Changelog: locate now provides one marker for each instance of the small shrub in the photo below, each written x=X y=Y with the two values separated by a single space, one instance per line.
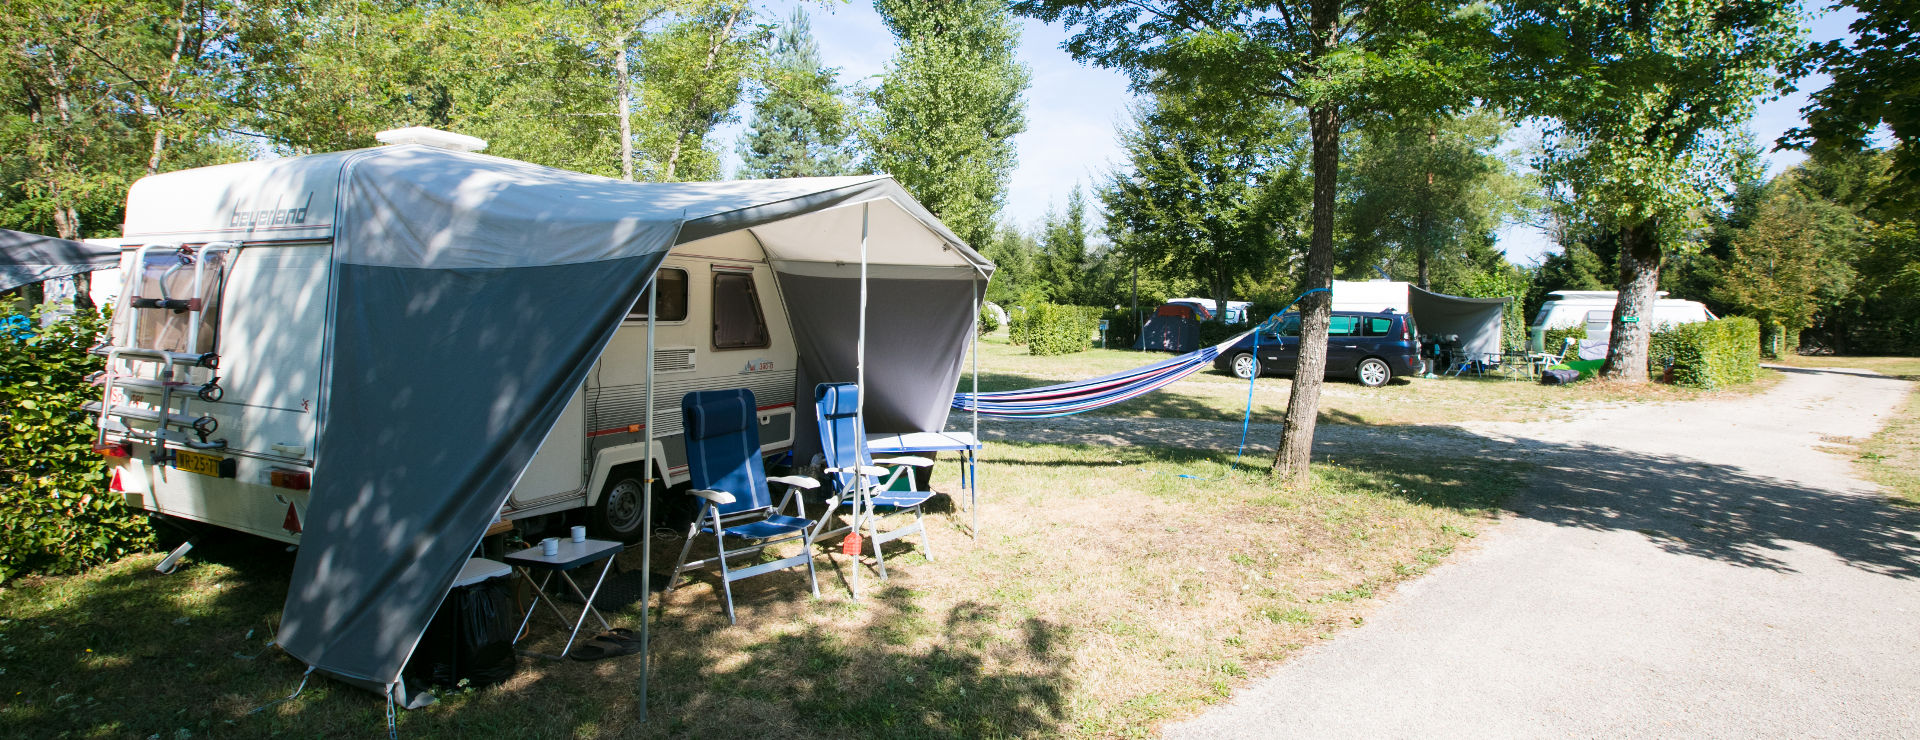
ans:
x=1057 y=330
x=1122 y=327
x=55 y=513
x=989 y=321
x=1708 y=354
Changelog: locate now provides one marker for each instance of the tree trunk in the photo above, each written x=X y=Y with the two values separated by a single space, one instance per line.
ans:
x=1424 y=250
x=1639 y=280
x=715 y=43
x=1291 y=462
x=165 y=89
x=623 y=105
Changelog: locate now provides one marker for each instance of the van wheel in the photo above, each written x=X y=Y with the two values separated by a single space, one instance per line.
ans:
x=1245 y=366
x=617 y=515
x=1373 y=372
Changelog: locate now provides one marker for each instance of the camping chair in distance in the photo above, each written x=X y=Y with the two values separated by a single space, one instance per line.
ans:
x=859 y=481
x=723 y=457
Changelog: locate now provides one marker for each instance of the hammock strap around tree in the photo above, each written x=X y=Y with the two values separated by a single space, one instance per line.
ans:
x=1067 y=399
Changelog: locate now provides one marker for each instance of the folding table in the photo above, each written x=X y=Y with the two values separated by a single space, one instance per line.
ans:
x=962 y=442
x=572 y=555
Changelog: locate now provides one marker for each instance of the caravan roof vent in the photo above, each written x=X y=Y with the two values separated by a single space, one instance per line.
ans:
x=431 y=137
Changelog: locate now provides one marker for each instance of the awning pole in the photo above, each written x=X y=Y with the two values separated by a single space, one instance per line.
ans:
x=646 y=510
x=973 y=472
x=860 y=399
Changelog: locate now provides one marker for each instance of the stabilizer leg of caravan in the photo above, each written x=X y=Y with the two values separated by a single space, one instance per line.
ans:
x=171 y=562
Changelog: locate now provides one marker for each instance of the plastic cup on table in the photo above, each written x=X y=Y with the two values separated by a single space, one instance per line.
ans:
x=579 y=533
x=550 y=546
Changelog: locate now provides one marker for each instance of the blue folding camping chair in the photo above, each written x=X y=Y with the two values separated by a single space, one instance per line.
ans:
x=859 y=482
x=723 y=457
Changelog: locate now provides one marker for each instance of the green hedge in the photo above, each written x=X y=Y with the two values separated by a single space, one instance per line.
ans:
x=989 y=321
x=1554 y=339
x=1048 y=329
x=1708 y=354
x=55 y=513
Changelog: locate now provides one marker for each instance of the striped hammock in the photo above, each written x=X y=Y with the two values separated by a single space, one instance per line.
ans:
x=1085 y=395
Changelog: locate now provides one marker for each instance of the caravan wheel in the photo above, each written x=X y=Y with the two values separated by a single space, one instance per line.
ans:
x=617 y=515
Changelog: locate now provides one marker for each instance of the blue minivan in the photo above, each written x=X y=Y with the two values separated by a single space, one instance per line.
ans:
x=1371 y=347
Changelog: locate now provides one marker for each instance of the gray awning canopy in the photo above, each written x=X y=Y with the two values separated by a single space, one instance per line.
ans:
x=30 y=258
x=1478 y=321
x=472 y=296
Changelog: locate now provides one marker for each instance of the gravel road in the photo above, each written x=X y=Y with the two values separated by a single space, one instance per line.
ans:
x=1706 y=569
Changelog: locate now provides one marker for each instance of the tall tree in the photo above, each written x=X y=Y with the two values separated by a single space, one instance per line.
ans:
x=1063 y=243
x=800 y=122
x=949 y=107
x=693 y=74
x=1875 y=81
x=1644 y=98
x=1425 y=190
x=1341 y=60
x=1780 y=265
x=1213 y=192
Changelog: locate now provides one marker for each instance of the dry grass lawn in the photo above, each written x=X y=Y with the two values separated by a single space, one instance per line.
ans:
x=1107 y=593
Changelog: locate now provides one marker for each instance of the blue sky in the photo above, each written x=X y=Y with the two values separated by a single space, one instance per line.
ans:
x=1073 y=109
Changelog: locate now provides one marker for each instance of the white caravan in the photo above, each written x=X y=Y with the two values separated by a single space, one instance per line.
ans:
x=263 y=304
x=1594 y=310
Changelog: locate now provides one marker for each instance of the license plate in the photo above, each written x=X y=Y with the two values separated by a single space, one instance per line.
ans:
x=208 y=465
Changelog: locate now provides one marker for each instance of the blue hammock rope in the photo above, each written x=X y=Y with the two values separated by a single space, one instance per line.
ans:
x=1067 y=399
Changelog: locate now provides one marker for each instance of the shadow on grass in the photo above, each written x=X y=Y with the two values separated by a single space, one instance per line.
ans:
x=814 y=680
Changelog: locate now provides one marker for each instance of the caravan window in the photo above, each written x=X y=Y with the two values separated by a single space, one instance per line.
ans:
x=169 y=329
x=737 y=320
x=673 y=297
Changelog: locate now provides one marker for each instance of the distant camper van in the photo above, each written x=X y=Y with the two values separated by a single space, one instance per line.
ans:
x=1594 y=310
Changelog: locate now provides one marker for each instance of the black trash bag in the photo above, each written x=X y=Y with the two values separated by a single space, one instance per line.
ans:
x=470 y=637
x=1559 y=377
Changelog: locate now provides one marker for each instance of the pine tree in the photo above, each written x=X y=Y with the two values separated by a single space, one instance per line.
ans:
x=800 y=123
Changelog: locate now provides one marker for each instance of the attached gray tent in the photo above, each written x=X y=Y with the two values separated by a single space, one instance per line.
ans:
x=1478 y=321
x=473 y=294
x=31 y=258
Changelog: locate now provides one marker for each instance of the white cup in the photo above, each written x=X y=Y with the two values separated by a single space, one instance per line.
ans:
x=550 y=546
x=579 y=534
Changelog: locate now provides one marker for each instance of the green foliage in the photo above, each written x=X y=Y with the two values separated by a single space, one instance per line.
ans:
x=989 y=321
x=56 y=515
x=1872 y=84
x=1556 y=338
x=1214 y=193
x=1215 y=332
x=948 y=109
x=1424 y=193
x=1051 y=329
x=800 y=123
x=1123 y=327
x=1499 y=280
x=1792 y=253
x=1063 y=256
x=1709 y=354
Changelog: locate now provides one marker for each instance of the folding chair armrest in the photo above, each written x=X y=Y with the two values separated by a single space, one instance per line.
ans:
x=918 y=462
x=718 y=497
x=800 y=481
x=872 y=471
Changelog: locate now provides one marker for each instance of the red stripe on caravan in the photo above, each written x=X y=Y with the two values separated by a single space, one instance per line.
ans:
x=635 y=428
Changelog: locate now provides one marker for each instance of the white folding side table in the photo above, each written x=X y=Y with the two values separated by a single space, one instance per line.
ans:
x=962 y=442
x=572 y=555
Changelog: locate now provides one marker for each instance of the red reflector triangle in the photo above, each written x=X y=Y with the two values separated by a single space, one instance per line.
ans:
x=114 y=485
x=292 y=522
